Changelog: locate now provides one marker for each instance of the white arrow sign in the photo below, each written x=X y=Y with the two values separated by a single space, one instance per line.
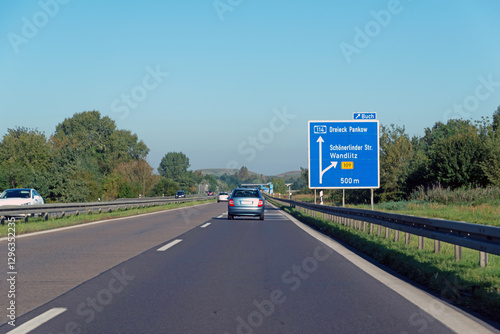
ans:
x=334 y=163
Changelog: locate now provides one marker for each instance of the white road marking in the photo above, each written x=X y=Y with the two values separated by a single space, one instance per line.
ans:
x=38 y=321
x=205 y=225
x=170 y=244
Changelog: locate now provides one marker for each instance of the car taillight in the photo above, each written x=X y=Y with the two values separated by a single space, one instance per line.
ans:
x=261 y=203
x=231 y=202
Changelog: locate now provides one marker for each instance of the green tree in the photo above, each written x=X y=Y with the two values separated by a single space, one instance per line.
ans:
x=279 y=186
x=174 y=165
x=243 y=174
x=396 y=153
x=69 y=178
x=456 y=152
x=491 y=163
x=212 y=182
x=164 y=187
x=496 y=120
x=24 y=157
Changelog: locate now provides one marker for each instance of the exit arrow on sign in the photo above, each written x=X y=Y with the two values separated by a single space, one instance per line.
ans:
x=334 y=163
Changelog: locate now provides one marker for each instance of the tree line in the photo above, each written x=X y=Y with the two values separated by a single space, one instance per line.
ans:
x=88 y=158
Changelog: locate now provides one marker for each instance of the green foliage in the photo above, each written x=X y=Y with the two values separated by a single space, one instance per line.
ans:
x=212 y=182
x=174 y=165
x=279 y=186
x=24 y=154
x=165 y=187
x=243 y=174
x=72 y=165
x=455 y=154
x=396 y=154
x=232 y=181
x=469 y=196
x=491 y=163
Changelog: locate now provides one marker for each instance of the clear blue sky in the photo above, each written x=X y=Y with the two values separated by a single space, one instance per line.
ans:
x=205 y=77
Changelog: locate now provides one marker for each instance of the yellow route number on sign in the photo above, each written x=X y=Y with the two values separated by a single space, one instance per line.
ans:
x=347 y=164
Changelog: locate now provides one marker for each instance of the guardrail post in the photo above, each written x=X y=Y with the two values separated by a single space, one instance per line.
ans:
x=437 y=246
x=26 y=218
x=2 y=220
x=379 y=230
x=46 y=216
x=387 y=233
x=420 y=242
x=458 y=252
x=483 y=259
x=365 y=226
x=396 y=235
x=372 y=228
x=407 y=238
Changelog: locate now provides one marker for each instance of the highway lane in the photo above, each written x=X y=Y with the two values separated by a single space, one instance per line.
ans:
x=49 y=264
x=241 y=276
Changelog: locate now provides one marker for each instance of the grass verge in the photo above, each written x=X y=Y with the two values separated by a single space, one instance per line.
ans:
x=462 y=283
x=38 y=224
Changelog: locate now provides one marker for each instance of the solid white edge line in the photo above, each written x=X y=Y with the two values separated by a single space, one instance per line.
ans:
x=205 y=225
x=38 y=321
x=438 y=309
x=167 y=246
x=99 y=222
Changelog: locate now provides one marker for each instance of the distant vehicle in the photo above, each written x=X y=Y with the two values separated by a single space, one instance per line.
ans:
x=222 y=197
x=21 y=196
x=180 y=194
x=210 y=193
x=245 y=202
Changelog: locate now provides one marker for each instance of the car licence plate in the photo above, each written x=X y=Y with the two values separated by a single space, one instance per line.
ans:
x=246 y=202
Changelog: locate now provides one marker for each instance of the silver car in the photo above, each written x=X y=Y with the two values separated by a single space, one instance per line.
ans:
x=246 y=202
x=20 y=196
x=222 y=197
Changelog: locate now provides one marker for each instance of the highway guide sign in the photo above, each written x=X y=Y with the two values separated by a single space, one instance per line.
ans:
x=344 y=154
x=364 y=115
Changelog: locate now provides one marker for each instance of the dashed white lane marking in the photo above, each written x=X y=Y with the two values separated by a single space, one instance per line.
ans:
x=38 y=321
x=205 y=225
x=167 y=246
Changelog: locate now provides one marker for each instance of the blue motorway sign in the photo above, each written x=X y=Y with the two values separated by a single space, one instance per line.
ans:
x=360 y=116
x=344 y=154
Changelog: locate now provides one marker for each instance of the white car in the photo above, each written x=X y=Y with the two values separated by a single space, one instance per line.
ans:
x=21 y=196
x=222 y=197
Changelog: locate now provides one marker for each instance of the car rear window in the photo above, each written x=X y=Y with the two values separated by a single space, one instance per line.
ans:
x=246 y=193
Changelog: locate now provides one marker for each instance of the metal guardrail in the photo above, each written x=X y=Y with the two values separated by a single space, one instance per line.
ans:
x=483 y=238
x=62 y=209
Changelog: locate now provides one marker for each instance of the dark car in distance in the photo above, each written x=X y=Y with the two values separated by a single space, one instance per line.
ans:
x=180 y=194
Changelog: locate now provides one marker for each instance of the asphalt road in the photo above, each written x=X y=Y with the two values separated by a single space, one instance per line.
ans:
x=194 y=271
